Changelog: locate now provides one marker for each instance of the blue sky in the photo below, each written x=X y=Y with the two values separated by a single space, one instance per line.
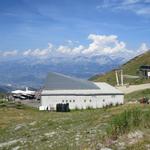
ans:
x=29 y=25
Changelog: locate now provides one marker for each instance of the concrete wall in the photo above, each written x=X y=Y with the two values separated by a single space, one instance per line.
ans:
x=81 y=102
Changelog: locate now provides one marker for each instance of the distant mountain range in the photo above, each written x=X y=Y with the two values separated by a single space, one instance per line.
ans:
x=6 y=88
x=32 y=72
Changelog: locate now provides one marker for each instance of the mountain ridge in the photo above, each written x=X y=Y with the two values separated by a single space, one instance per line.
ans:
x=32 y=72
x=131 y=67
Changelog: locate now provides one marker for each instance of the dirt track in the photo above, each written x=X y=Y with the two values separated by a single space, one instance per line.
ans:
x=133 y=88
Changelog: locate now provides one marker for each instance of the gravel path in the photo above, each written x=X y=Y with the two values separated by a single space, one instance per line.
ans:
x=31 y=103
x=133 y=88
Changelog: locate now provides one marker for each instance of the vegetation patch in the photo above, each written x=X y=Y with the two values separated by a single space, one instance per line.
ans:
x=138 y=95
x=128 y=121
x=11 y=104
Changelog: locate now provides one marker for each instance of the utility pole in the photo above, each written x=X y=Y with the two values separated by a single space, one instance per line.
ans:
x=121 y=77
x=117 y=80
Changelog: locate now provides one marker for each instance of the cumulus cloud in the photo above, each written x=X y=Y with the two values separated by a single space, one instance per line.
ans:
x=50 y=45
x=64 y=49
x=37 y=52
x=9 y=53
x=70 y=50
x=70 y=42
x=98 y=45
x=102 y=44
x=42 y=53
x=78 y=50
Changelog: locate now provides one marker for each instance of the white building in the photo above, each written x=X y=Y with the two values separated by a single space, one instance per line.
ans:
x=23 y=94
x=78 y=93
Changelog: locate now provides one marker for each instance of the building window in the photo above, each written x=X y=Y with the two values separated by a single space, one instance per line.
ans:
x=66 y=101
x=70 y=101
x=62 y=101
x=90 y=100
x=103 y=100
x=85 y=101
x=73 y=100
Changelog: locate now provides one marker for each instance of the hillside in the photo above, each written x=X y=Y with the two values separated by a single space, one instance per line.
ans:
x=93 y=129
x=129 y=68
x=138 y=95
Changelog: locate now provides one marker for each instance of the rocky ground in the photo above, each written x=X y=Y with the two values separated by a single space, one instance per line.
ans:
x=26 y=128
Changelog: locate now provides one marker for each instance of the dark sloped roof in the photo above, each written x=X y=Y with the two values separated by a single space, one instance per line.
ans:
x=145 y=67
x=56 y=81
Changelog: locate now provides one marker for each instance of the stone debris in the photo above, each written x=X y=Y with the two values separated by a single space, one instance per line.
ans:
x=99 y=146
x=147 y=146
x=105 y=148
x=135 y=137
x=133 y=102
x=9 y=143
x=32 y=123
x=121 y=145
x=77 y=137
x=50 y=134
x=16 y=148
x=19 y=126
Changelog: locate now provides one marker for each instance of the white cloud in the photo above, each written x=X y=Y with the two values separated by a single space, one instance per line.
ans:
x=109 y=45
x=64 y=49
x=143 y=48
x=139 y=7
x=131 y=1
x=102 y=44
x=37 y=52
x=9 y=53
x=27 y=52
x=50 y=45
x=42 y=53
x=70 y=42
x=78 y=49
x=70 y=50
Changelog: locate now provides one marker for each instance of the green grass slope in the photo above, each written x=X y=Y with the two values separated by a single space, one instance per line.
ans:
x=138 y=95
x=129 y=68
x=29 y=129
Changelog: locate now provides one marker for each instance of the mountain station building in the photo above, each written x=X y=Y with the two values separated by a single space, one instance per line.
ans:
x=145 y=71
x=78 y=93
